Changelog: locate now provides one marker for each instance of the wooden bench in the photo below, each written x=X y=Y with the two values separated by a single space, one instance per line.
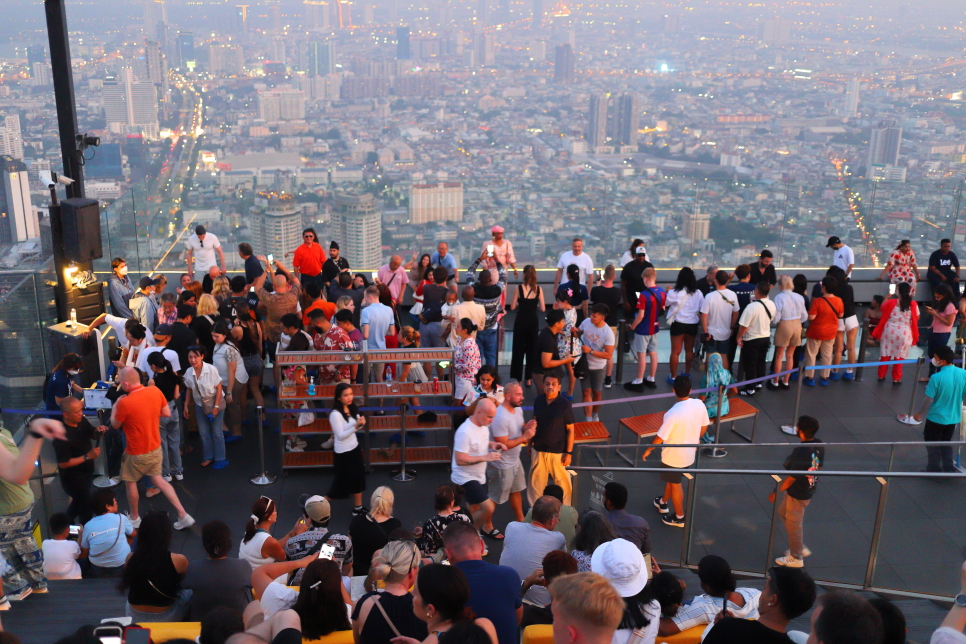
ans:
x=543 y=634
x=739 y=409
x=591 y=432
x=164 y=631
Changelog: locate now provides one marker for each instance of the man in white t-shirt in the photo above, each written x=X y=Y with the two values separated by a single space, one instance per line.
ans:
x=162 y=335
x=201 y=248
x=472 y=450
x=506 y=478
x=584 y=262
x=842 y=255
x=598 y=346
x=719 y=315
x=684 y=424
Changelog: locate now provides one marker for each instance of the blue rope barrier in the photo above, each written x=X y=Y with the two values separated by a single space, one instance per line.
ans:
x=860 y=364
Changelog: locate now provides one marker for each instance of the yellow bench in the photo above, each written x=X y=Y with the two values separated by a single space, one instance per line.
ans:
x=543 y=634
x=164 y=631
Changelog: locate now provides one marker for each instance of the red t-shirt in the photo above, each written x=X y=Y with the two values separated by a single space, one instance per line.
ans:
x=309 y=259
x=139 y=413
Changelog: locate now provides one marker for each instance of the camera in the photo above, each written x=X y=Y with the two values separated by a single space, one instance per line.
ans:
x=327 y=551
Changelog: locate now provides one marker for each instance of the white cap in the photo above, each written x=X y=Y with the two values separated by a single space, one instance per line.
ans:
x=640 y=250
x=622 y=564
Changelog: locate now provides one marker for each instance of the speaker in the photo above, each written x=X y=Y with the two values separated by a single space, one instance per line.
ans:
x=81 y=225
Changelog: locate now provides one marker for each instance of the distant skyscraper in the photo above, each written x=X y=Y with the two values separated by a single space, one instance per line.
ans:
x=41 y=75
x=155 y=62
x=281 y=105
x=564 y=66
x=670 y=24
x=357 y=227
x=627 y=120
x=186 y=48
x=697 y=227
x=435 y=202
x=319 y=58
x=852 y=98
x=155 y=19
x=539 y=13
x=240 y=19
x=775 y=32
x=316 y=15
x=226 y=60
x=131 y=106
x=884 y=145
x=11 y=138
x=403 y=50
x=278 y=225
x=35 y=54
x=482 y=12
x=597 y=121
x=486 y=50
x=275 y=17
x=18 y=220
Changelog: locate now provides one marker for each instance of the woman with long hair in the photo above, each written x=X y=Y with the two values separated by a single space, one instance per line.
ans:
x=188 y=297
x=429 y=536
x=206 y=315
x=397 y=566
x=466 y=359
x=203 y=384
x=217 y=580
x=321 y=602
x=565 y=339
x=527 y=301
x=370 y=531
x=790 y=314
x=800 y=283
x=165 y=378
x=440 y=595
x=683 y=312
x=902 y=267
x=221 y=289
x=417 y=270
x=60 y=385
x=943 y=313
x=228 y=361
x=593 y=529
x=152 y=575
x=258 y=547
x=897 y=331
x=848 y=325
x=628 y=255
x=247 y=334
x=349 y=467
x=487 y=386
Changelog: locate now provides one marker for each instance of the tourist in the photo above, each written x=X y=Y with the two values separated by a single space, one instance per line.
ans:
x=506 y=478
x=321 y=602
x=567 y=521
x=843 y=617
x=494 y=591
x=253 y=267
x=162 y=338
x=309 y=258
x=628 y=255
x=842 y=255
x=823 y=316
x=333 y=338
x=872 y=316
x=716 y=376
x=720 y=594
x=466 y=360
x=577 y=294
x=951 y=629
x=708 y=284
x=435 y=294
x=393 y=275
x=501 y=253
x=106 y=539
x=683 y=313
x=621 y=563
x=553 y=443
x=440 y=595
x=719 y=315
x=416 y=273
x=593 y=530
x=745 y=290
x=75 y=455
x=429 y=536
x=370 y=530
x=902 y=267
x=217 y=580
x=143 y=307
x=944 y=269
x=587 y=609
x=189 y=297
x=258 y=546
x=632 y=279
x=443 y=258
x=343 y=320
x=247 y=334
x=333 y=268
x=228 y=361
x=598 y=343
x=526 y=545
x=799 y=489
x=182 y=335
x=60 y=554
x=201 y=248
x=894 y=629
x=120 y=289
x=627 y=526
x=764 y=269
x=314 y=300
x=487 y=385
x=206 y=315
x=378 y=320
x=60 y=384
x=610 y=295
x=488 y=294
x=527 y=301
x=311 y=532
x=943 y=313
x=472 y=450
x=203 y=386
x=548 y=348
x=468 y=308
x=556 y=563
x=341 y=287
x=221 y=291
x=789 y=593
x=790 y=316
x=152 y=575
x=754 y=337
x=942 y=408
x=165 y=377
x=348 y=463
x=183 y=280
x=421 y=282
x=584 y=262
x=282 y=300
x=567 y=344
x=684 y=424
x=380 y=615
x=168 y=311
x=848 y=325
x=138 y=411
x=136 y=336
x=897 y=331
x=646 y=325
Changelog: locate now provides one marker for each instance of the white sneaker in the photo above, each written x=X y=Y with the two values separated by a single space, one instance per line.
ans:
x=328 y=444
x=596 y=418
x=301 y=443
x=23 y=594
x=637 y=381
x=289 y=447
x=135 y=523
x=167 y=477
x=805 y=552
x=588 y=419
x=184 y=522
x=179 y=476
x=790 y=562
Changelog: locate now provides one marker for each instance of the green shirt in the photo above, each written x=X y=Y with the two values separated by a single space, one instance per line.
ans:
x=567 y=525
x=946 y=388
x=13 y=498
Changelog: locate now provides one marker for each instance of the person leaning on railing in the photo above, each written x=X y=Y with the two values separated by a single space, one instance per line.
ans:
x=951 y=630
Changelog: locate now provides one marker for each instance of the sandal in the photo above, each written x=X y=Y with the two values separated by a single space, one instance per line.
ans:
x=494 y=534
x=205 y=463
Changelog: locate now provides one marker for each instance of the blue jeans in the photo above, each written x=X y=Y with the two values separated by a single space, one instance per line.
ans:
x=486 y=339
x=212 y=438
x=171 y=442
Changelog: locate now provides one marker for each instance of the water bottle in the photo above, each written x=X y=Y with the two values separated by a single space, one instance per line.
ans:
x=389 y=383
x=311 y=386
x=348 y=351
x=73 y=318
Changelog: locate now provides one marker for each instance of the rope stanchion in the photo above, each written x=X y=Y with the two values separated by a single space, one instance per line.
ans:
x=263 y=478
x=403 y=475
x=915 y=386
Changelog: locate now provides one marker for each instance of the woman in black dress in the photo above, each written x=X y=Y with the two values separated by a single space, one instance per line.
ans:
x=527 y=300
x=350 y=469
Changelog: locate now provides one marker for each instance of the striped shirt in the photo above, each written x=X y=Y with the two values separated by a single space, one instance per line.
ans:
x=651 y=301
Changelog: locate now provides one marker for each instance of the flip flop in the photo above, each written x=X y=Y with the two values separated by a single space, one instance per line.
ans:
x=908 y=420
x=494 y=534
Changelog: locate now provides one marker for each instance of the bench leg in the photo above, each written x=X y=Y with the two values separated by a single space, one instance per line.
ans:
x=750 y=439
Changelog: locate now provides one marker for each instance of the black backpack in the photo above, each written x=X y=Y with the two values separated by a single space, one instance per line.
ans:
x=432 y=312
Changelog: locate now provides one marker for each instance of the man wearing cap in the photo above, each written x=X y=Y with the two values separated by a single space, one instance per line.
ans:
x=333 y=265
x=632 y=279
x=201 y=249
x=312 y=532
x=143 y=307
x=443 y=258
x=842 y=255
x=502 y=254
x=162 y=336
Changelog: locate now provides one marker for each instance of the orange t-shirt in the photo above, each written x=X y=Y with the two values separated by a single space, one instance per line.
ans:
x=309 y=259
x=140 y=415
x=827 y=312
x=327 y=307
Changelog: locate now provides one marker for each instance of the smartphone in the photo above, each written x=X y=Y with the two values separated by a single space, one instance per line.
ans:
x=489 y=250
x=137 y=635
x=251 y=289
x=270 y=258
x=327 y=551
x=109 y=634
x=75 y=532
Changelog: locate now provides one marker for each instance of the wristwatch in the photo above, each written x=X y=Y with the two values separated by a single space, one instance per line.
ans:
x=86 y=458
x=961 y=600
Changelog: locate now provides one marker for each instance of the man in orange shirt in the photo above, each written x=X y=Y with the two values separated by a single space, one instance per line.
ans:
x=309 y=258
x=139 y=413
x=823 y=324
x=314 y=291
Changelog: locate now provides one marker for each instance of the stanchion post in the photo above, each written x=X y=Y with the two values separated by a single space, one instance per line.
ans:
x=915 y=385
x=798 y=392
x=263 y=478
x=688 y=516
x=774 y=519
x=621 y=338
x=863 y=342
x=366 y=380
x=876 y=532
x=402 y=475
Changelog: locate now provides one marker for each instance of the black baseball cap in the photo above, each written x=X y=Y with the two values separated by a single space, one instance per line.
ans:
x=200 y=230
x=832 y=241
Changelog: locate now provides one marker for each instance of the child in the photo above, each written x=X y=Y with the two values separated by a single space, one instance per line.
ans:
x=872 y=316
x=451 y=301
x=565 y=341
x=799 y=489
x=716 y=375
x=487 y=386
x=61 y=553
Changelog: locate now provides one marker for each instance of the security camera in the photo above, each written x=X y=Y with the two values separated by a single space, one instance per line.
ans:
x=65 y=181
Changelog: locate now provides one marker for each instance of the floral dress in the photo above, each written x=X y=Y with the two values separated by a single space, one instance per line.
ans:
x=902 y=269
x=467 y=359
x=565 y=341
x=897 y=334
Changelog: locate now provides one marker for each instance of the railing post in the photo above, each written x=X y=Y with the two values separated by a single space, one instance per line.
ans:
x=876 y=532
x=798 y=399
x=863 y=341
x=366 y=380
x=774 y=519
x=402 y=475
x=263 y=478
x=621 y=338
x=688 y=517
x=915 y=385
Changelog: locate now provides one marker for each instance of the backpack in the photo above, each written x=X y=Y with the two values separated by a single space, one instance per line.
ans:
x=432 y=312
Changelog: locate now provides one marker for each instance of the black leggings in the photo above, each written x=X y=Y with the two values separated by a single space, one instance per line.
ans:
x=78 y=487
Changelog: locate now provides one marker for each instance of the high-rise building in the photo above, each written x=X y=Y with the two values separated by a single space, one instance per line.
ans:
x=11 y=138
x=240 y=19
x=539 y=13
x=357 y=227
x=482 y=12
x=670 y=24
x=316 y=15
x=130 y=105
x=564 y=66
x=627 y=120
x=156 y=64
x=403 y=50
x=281 y=105
x=485 y=50
x=279 y=223
x=155 y=19
x=436 y=202
x=226 y=60
x=597 y=121
x=697 y=226
x=186 y=48
x=775 y=32
x=318 y=58
x=851 y=108
x=18 y=219
x=35 y=54
x=41 y=75
x=884 y=144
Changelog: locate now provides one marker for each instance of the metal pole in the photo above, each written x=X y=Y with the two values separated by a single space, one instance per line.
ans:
x=876 y=532
x=915 y=385
x=863 y=341
x=64 y=95
x=264 y=478
x=402 y=475
x=774 y=518
x=621 y=338
x=798 y=393
x=367 y=456
x=688 y=514
x=716 y=452
x=959 y=199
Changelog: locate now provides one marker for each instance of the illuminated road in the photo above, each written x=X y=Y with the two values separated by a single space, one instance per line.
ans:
x=854 y=200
